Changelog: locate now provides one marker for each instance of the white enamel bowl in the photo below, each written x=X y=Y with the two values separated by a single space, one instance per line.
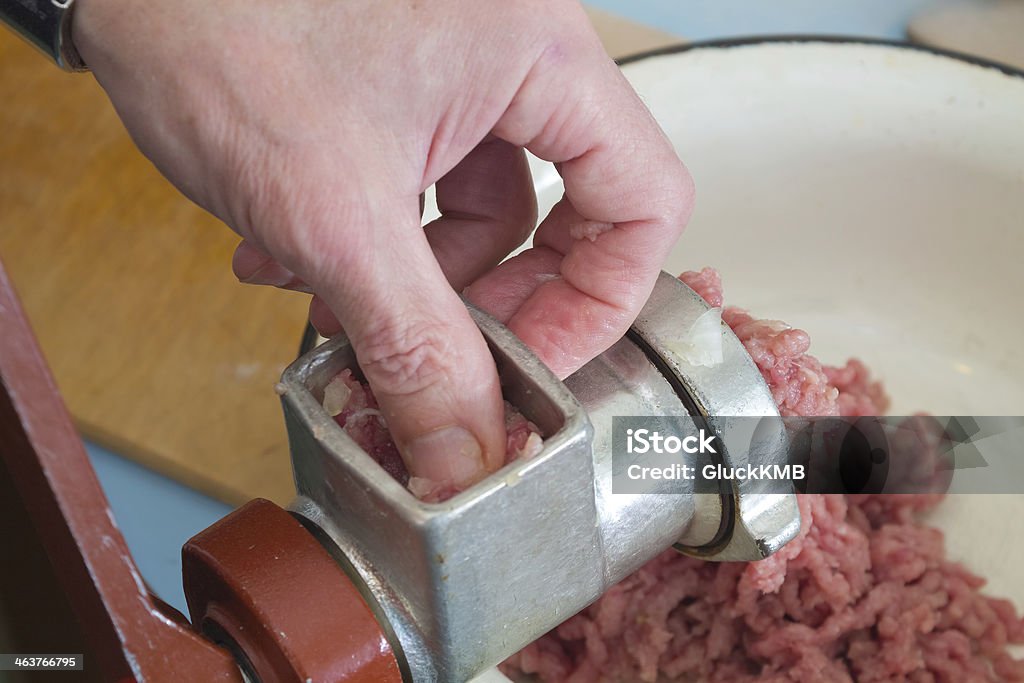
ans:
x=873 y=195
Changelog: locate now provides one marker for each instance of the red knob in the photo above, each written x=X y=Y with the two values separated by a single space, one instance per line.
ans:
x=262 y=585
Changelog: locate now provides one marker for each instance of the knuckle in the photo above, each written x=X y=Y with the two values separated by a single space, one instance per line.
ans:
x=674 y=195
x=686 y=184
x=685 y=194
x=405 y=358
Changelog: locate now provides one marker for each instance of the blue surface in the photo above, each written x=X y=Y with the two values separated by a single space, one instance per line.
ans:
x=157 y=515
x=707 y=19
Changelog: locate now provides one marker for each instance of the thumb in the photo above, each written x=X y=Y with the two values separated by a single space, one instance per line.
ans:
x=420 y=351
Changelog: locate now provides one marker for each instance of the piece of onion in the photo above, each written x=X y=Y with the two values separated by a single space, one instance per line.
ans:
x=336 y=396
x=533 y=446
x=364 y=413
x=702 y=343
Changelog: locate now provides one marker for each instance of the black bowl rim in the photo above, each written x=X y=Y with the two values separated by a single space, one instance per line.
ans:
x=310 y=335
x=808 y=38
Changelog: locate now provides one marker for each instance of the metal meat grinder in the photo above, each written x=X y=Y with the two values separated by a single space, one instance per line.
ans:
x=360 y=581
x=462 y=584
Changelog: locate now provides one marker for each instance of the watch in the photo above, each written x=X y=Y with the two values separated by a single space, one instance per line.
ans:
x=46 y=24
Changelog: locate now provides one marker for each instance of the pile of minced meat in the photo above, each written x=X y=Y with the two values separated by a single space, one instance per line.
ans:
x=864 y=593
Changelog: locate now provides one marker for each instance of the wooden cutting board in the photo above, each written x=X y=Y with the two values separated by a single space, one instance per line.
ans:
x=160 y=354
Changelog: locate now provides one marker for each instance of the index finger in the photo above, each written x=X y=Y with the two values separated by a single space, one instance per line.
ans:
x=627 y=199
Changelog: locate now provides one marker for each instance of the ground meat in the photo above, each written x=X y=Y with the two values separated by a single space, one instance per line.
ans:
x=359 y=415
x=589 y=230
x=864 y=593
x=354 y=407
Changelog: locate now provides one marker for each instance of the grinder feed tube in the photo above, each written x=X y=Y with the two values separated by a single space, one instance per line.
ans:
x=462 y=584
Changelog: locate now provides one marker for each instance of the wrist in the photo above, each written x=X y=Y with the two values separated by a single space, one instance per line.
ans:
x=112 y=35
x=84 y=30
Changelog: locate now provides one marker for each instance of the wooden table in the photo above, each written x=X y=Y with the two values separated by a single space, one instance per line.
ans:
x=160 y=354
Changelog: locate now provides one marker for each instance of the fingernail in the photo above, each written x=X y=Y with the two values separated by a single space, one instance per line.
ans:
x=450 y=454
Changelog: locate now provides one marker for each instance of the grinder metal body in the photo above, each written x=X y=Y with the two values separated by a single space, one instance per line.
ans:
x=460 y=585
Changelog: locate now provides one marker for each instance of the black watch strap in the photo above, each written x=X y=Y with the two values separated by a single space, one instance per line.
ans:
x=45 y=24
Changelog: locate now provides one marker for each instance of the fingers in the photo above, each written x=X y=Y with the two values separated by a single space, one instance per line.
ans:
x=420 y=351
x=504 y=290
x=488 y=208
x=321 y=317
x=253 y=266
x=627 y=199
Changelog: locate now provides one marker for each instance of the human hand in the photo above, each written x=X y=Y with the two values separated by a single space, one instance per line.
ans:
x=312 y=127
